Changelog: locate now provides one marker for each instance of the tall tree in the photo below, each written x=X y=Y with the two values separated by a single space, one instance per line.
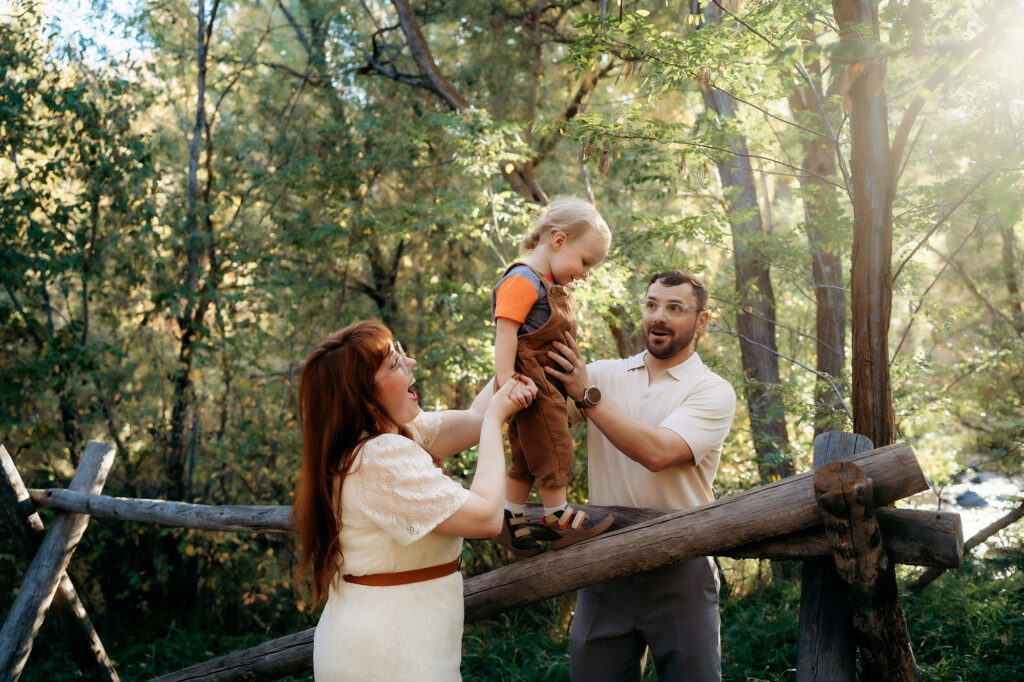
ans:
x=755 y=316
x=825 y=238
x=201 y=272
x=863 y=86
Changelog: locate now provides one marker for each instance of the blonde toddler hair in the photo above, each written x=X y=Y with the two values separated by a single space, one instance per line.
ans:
x=571 y=215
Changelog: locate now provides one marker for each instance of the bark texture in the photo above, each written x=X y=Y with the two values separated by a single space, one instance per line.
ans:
x=863 y=86
x=821 y=208
x=845 y=494
x=48 y=569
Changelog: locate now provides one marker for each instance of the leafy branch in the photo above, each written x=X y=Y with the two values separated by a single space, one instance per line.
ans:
x=824 y=377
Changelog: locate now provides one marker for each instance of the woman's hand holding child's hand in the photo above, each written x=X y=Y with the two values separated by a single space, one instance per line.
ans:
x=516 y=393
x=523 y=391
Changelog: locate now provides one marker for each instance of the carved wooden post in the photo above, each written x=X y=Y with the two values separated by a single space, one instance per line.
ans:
x=73 y=622
x=845 y=493
x=45 y=574
x=826 y=650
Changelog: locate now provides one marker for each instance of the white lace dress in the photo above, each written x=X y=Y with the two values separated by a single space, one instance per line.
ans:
x=391 y=501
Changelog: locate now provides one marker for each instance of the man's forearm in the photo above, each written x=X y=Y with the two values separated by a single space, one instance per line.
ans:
x=654 y=447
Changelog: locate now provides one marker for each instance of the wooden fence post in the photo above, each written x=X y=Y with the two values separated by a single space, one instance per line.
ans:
x=845 y=495
x=826 y=650
x=49 y=566
x=73 y=622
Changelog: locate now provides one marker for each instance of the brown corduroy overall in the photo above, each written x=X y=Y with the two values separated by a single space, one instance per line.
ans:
x=542 y=447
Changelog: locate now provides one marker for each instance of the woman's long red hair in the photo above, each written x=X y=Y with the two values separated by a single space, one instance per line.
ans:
x=338 y=411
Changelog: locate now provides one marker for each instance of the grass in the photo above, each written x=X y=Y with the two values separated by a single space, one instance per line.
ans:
x=759 y=633
x=968 y=624
x=523 y=644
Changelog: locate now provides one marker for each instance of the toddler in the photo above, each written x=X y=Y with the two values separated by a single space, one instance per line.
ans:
x=532 y=306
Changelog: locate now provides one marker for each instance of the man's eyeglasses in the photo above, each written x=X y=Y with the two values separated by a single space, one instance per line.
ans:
x=397 y=358
x=673 y=309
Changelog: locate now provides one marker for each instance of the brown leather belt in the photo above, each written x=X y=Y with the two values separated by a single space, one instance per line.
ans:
x=416 y=575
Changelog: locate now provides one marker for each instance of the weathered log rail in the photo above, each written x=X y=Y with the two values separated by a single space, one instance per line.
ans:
x=784 y=506
x=913 y=537
x=255 y=519
x=781 y=520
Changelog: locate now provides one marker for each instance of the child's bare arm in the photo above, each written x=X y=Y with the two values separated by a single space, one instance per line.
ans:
x=506 y=341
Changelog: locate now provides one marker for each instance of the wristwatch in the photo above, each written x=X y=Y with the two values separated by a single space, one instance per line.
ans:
x=591 y=397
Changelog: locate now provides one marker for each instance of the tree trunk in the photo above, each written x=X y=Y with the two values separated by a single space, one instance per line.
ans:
x=863 y=85
x=519 y=175
x=755 y=318
x=198 y=294
x=200 y=286
x=628 y=338
x=68 y=415
x=821 y=210
x=183 y=398
x=1009 y=251
x=381 y=288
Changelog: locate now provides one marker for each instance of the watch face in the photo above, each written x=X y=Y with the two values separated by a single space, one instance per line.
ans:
x=592 y=396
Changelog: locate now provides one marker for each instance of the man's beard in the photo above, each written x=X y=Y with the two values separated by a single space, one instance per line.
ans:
x=675 y=343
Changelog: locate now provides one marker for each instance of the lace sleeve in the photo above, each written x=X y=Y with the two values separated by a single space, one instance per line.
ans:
x=402 y=490
x=425 y=428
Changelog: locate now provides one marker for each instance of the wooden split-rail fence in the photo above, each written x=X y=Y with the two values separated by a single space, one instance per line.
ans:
x=834 y=519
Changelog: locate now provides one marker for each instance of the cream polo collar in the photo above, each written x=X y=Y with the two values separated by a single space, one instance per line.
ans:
x=676 y=371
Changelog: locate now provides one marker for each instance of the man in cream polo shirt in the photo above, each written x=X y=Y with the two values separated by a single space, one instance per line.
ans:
x=657 y=422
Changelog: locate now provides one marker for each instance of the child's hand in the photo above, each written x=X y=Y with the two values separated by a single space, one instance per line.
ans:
x=522 y=394
x=515 y=394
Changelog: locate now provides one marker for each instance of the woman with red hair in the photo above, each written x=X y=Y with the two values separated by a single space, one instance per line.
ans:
x=380 y=524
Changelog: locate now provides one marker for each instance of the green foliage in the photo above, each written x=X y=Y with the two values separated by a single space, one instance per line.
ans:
x=75 y=225
x=171 y=649
x=962 y=627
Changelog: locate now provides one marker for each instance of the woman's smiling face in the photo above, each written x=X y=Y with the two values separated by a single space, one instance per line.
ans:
x=393 y=382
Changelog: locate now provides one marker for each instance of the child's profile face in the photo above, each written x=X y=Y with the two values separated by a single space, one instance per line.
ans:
x=572 y=258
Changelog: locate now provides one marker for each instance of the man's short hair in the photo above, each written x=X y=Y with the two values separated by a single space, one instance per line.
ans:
x=672 y=278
